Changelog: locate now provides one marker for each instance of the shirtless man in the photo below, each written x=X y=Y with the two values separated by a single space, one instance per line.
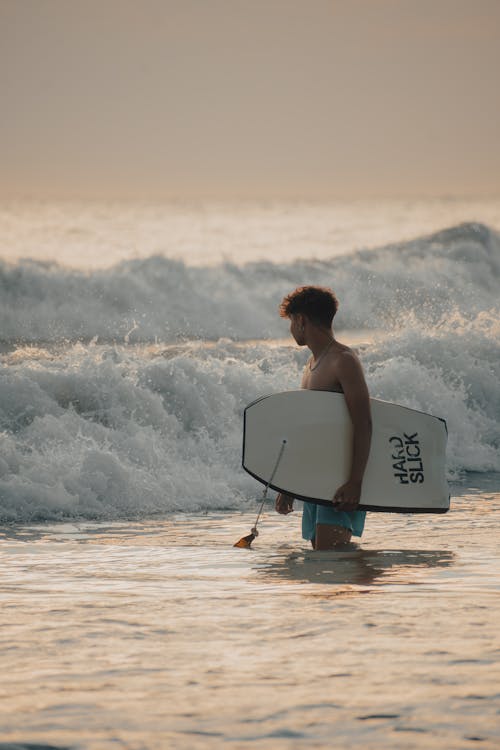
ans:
x=332 y=366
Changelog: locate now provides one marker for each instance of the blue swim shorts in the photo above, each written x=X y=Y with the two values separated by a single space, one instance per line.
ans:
x=313 y=514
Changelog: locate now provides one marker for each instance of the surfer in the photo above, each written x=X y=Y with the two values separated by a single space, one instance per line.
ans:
x=332 y=366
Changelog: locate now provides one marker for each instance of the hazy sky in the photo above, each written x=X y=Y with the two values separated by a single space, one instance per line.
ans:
x=284 y=98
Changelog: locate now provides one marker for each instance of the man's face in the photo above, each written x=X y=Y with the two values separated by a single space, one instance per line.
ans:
x=297 y=329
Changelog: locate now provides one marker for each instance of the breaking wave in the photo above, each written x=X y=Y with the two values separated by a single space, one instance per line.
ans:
x=163 y=299
x=100 y=430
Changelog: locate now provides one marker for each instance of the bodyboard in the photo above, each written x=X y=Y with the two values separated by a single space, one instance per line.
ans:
x=406 y=467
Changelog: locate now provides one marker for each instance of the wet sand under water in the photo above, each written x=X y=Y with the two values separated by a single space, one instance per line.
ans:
x=159 y=634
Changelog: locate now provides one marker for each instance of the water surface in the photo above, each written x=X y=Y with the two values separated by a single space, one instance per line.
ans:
x=160 y=634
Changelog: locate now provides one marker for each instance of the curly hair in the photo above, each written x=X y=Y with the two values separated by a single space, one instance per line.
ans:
x=318 y=303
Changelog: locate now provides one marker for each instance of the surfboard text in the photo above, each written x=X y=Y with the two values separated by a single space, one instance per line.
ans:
x=407 y=459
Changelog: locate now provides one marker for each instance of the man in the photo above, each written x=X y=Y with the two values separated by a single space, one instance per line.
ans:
x=332 y=366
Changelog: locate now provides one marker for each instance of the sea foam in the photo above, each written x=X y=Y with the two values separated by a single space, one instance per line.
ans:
x=96 y=430
x=119 y=432
x=162 y=299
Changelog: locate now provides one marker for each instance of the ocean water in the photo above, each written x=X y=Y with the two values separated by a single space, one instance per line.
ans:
x=132 y=337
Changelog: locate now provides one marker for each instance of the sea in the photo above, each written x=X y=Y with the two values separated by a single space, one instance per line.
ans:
x=132 y=336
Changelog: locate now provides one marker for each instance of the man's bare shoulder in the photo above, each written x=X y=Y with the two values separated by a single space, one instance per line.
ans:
x=344 y=356
x=347 y=364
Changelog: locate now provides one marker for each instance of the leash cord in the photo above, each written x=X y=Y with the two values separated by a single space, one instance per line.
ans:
x=264 y=493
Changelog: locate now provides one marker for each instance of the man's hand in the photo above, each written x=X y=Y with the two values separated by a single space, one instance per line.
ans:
x=347 y=496
x=284 y=504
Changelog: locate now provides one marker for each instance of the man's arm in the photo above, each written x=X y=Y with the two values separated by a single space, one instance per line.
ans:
x=284 y=504
x=350 y=375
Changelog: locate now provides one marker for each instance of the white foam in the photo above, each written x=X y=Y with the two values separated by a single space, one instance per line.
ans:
x=452 y=371
x=118 y=432
x=162 y=299
x=94 y=430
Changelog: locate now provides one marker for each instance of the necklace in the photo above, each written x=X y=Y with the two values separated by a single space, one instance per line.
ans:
x=321 y=356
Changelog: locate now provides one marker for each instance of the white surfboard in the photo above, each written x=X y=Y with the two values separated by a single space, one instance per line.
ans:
x=405 y=471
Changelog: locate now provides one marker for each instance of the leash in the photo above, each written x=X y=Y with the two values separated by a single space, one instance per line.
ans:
x=246 y=541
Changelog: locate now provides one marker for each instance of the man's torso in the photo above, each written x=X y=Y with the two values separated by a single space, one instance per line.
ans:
x=324 y=376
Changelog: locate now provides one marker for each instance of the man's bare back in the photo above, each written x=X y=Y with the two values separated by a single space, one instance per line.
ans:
x=322 y=375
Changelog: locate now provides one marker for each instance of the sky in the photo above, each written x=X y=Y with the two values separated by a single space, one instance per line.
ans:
x=250 y=98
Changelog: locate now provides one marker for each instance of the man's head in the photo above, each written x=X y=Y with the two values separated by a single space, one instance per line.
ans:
x=309 y=305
